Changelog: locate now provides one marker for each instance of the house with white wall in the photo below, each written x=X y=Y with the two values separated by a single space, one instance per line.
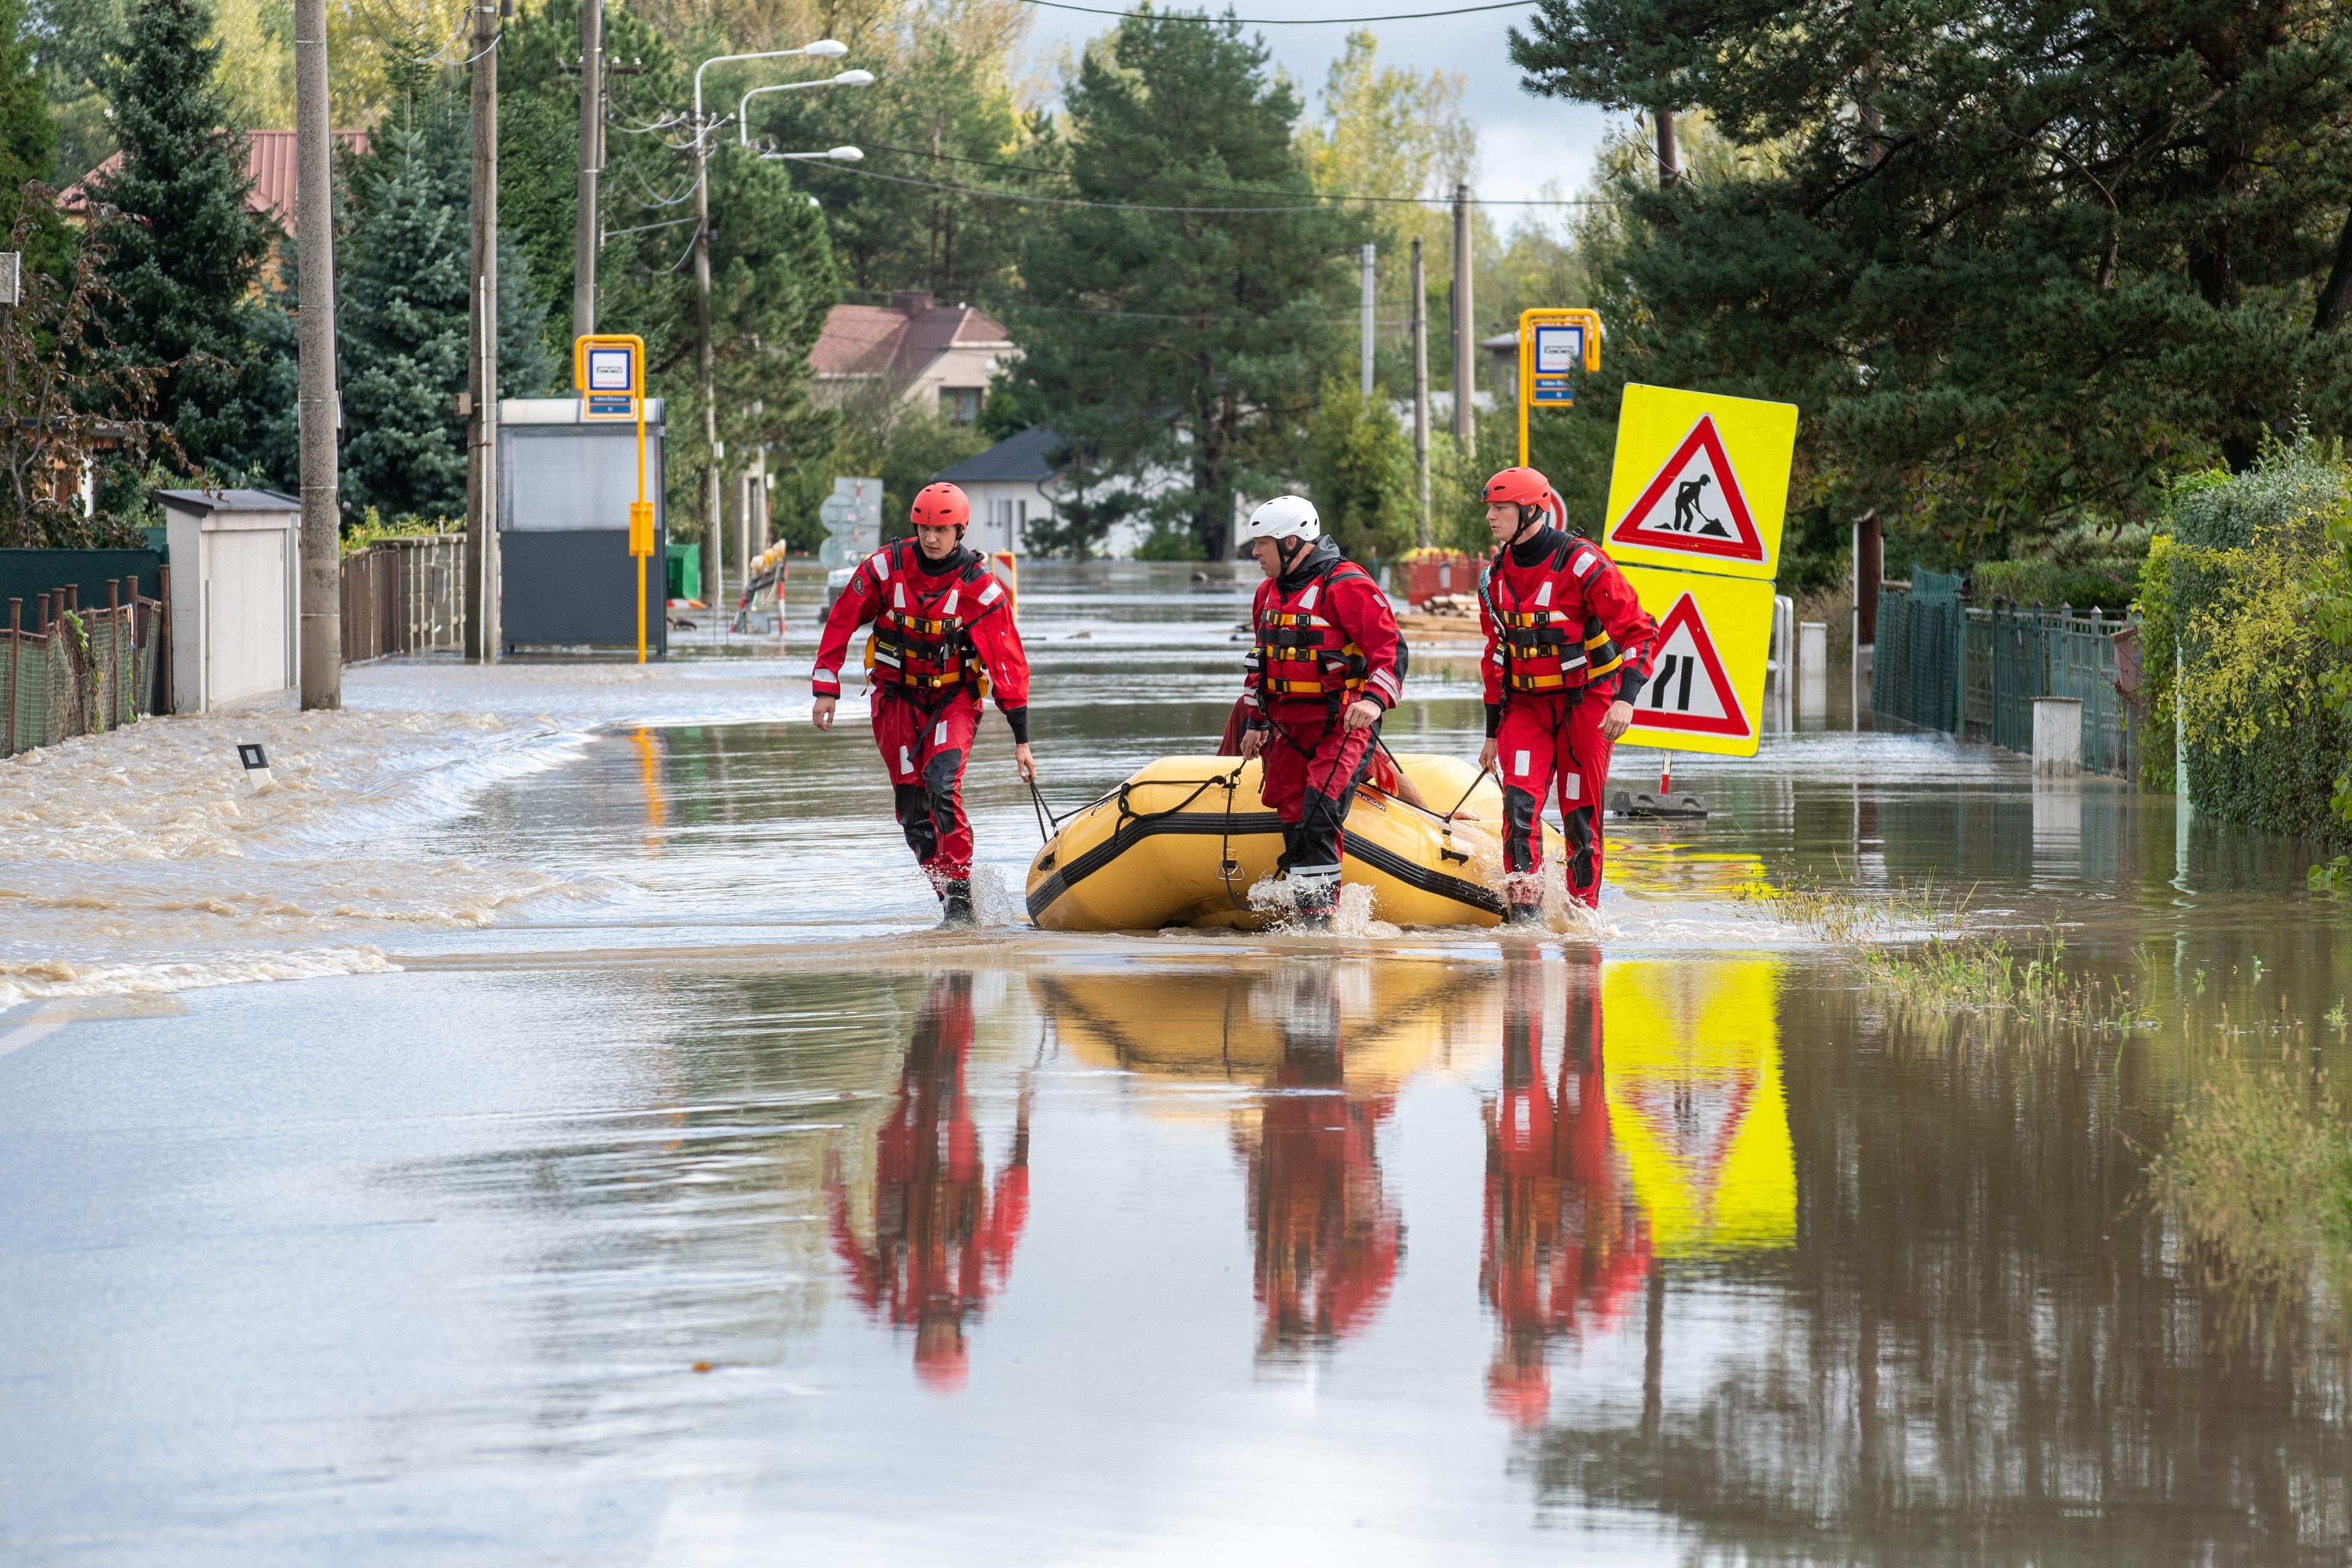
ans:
x=939 y=356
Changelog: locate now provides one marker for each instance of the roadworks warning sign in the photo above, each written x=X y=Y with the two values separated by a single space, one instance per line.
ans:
x=1701 y=481
x=1705 y=691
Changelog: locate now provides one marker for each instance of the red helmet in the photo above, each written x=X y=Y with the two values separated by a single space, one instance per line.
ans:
x=940 y=506
x=1518 y=487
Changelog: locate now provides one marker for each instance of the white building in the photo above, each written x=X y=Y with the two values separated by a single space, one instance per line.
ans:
x=940 y=356
x=1010 y=484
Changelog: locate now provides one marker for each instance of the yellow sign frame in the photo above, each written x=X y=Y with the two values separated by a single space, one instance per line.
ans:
x=640 y=511
x=1735 y=614
x=1755 y=440
x=1576 y=316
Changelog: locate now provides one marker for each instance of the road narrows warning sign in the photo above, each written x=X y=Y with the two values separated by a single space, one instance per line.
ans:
x=1695 y=504
x=1700 y=481
x=1706 y=690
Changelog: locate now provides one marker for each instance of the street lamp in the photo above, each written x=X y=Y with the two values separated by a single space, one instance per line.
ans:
x=846 y=78
x=832 y=154
x=824 y=49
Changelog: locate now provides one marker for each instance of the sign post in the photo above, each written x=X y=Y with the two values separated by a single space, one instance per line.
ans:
x=608 y=369
x=1552 y=344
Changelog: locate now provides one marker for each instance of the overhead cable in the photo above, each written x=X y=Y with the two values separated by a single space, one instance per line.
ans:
x=1153 y=208
x=1280 y=21
x=1321 y=196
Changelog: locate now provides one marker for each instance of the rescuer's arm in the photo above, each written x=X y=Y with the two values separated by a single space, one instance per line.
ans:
x=1362 y=612
x=1255 y=732
x=859 y=602
x=1628 y=626
x=999 y=642
x=1490 y=675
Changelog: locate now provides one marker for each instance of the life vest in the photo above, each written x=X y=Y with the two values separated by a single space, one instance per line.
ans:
x=1544 y=647
x=1302 y=655
x=921 y=642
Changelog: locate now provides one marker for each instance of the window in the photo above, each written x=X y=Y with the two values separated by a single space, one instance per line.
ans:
x=959 y=405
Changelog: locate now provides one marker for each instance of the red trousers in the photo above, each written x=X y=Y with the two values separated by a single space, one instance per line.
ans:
x=1312 y=763
x=1550 y=740
x=925 y=749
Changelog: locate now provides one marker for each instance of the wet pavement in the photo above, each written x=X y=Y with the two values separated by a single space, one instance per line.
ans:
x=698 y=1204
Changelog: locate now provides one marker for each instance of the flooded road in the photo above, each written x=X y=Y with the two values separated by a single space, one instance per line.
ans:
x=700 y=1204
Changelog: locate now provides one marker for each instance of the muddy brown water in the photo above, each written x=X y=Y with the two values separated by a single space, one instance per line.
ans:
x=732 y=1215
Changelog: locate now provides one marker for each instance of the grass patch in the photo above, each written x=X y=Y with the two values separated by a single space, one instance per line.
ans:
x=2260 y=1173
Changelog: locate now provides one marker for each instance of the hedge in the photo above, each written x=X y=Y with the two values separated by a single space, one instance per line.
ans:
x=2247 y=582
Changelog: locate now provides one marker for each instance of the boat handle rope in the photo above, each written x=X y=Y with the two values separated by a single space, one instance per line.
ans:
x=1043 y=815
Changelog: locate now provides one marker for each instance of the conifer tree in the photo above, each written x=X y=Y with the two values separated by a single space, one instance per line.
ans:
x=28 y=137
x=1167 y=331
x=187 y=252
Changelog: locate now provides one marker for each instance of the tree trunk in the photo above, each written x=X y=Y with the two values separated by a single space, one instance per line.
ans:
x=2336 y=299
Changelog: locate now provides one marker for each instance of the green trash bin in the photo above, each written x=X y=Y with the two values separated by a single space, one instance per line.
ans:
x=685 y=571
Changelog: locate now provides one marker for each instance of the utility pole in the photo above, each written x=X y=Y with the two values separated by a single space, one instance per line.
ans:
x=716 y=533
x=320 y=408
x=1367 y=258
x=1425 y=533
x=1465 y=340
x=482 y=372
x=1669 y=160
x=585 y=234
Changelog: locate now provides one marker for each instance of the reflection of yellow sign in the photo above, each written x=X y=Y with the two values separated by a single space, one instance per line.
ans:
x=1705 y=691
x=1701 y=482
x=1692 y=1062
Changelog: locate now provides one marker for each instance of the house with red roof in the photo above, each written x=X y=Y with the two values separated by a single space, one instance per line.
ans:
x=269 y=160
x=940 y=356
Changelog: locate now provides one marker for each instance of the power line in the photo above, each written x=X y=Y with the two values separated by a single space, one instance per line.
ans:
x=1153 y=208
x=1239 y=190
x=1280 y=21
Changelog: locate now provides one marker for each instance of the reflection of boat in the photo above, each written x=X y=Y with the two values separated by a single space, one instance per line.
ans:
x=1566 y=1243
x=1184 y=840
x=1398 y=1017
x=943 y=1239
x=1697 y=1104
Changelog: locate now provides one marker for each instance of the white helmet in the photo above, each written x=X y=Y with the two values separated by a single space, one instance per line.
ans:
x=1283 y=517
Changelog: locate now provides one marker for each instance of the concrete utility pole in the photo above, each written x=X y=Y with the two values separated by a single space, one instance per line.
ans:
x=585 y=234
x=717 y=532
x=1368 y=256
x=1465 y=340
x=1669 y=161
x=482 y=342
x=1424 y=533
x=322 y=588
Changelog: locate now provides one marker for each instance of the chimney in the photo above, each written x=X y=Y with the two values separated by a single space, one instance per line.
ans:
x=914 y=301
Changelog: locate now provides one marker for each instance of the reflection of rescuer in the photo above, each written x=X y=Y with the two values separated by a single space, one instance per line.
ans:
x=1327 y=1238
x=1568 y=647
x=943 y=633
x=1565 y=1244
x=1325 y=667
x=942 y=1241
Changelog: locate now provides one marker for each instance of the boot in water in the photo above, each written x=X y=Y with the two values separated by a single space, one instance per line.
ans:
x=1524 y=915
x=955 y=905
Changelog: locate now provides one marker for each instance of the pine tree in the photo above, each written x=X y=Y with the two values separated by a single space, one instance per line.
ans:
x=402 y=318
x=2015 y=263
x=186 y=251
x=28 y=137
x=1167 y=332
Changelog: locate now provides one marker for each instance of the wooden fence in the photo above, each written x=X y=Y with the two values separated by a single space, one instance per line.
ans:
x=67 y=671
x=404 y=596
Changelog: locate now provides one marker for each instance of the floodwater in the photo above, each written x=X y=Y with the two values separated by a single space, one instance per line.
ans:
x=638 y=1179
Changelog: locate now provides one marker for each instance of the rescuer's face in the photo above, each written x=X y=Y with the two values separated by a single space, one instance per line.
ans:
x=936 y=544
x=1269 y=555
x=1502 y=521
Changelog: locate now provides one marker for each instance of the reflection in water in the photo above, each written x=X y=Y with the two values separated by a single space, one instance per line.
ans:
x=1565 y=1242
x=1327 y=1234
x=943 y=1239
x=649 y=767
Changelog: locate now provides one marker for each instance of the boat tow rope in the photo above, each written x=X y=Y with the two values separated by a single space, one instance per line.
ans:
x=1044 y=815
x=1227 y=867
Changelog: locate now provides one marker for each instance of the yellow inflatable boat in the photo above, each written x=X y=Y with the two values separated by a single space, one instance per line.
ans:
x=1183 y=843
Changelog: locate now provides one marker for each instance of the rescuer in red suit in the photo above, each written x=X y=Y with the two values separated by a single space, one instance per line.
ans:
x=1327 y=1238
x=1325 y=665
x=1565 y=1242
x=942 y=1241
x=1567 y=649
x=943 y=631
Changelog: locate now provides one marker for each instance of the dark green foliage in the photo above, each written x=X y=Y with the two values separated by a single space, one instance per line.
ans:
x=2105 y=582
x=2016 y=264
x=184 y=251
x=1359 y=472
x=1186 y=342
x=28 y=137
x=73 y=39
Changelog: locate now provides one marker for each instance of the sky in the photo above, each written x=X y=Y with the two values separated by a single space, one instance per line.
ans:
x=1524 y=142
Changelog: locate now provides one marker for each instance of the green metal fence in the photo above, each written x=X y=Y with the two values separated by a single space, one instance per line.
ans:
x=76 y=671
x=1943 y=664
